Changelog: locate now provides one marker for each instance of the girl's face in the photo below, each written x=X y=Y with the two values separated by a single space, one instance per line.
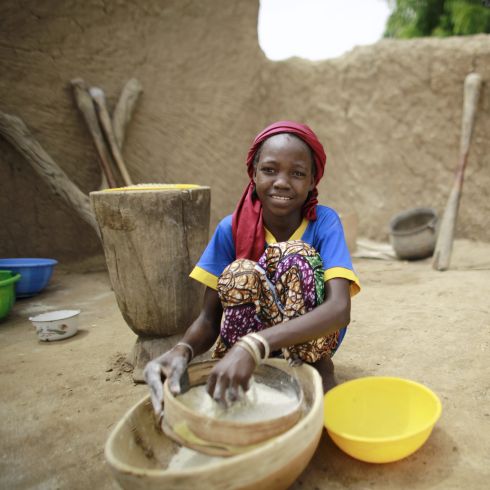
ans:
x=283 y=175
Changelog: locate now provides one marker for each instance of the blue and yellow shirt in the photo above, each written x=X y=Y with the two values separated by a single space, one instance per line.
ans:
x=325 y=234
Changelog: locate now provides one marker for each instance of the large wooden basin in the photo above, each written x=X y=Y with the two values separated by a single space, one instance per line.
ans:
x=138 y=452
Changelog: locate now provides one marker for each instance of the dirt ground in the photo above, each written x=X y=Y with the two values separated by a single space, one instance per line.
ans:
x=60 y=400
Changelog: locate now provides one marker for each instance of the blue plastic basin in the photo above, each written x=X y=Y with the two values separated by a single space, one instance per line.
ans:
x=35 y=274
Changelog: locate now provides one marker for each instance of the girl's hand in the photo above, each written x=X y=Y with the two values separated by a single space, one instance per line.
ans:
x=233 y=371
x=171 y=365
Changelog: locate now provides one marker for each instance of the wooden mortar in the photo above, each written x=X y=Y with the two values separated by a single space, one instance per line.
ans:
x=152 y=236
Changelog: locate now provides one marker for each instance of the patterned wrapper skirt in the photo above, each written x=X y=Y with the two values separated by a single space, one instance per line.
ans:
x=286 y=282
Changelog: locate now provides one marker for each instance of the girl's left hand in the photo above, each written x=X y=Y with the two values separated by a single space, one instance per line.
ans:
x=233 y=371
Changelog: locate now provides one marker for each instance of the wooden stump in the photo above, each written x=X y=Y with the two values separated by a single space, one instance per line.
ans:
x=152 y=238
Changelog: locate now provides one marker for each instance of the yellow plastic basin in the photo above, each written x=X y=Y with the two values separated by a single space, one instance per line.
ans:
x=380 y=419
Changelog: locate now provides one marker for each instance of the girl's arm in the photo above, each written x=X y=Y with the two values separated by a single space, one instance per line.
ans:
x=204 y=331
x=332 y=315
x=236 y=368
x=201 y=335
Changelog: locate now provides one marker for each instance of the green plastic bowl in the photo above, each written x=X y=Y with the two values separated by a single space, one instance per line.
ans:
x=7 y=291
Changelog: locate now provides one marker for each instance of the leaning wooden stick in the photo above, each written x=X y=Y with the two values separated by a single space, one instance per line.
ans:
x=445 y=238
x=18 y=135
x=86 y=107
x=105 y=121
x=124 y=109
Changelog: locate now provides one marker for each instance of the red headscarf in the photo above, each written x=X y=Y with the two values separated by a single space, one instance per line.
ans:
x=247 y=222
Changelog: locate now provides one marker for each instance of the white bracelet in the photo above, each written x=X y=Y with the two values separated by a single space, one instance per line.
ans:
x=253 y=345
x=246 y=347
x=189 y=346
x=259 y=338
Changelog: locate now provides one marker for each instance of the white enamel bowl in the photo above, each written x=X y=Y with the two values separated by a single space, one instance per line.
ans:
x=56 y=325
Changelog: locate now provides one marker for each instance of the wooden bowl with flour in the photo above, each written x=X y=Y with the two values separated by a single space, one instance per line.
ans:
x=271 y=406
x=141 y=457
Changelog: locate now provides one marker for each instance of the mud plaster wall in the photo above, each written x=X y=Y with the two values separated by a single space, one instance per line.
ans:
x=388 y=114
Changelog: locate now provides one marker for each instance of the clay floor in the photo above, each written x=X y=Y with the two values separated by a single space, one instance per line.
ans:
x=60 y=400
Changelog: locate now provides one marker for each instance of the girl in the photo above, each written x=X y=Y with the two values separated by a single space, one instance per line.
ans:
x=278 y=271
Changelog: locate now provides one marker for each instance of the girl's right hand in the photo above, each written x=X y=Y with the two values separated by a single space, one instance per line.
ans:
x=229 y=375
x=171 y=366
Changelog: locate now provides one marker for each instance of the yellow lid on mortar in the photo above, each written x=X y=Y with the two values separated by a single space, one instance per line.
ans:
x=154 y=187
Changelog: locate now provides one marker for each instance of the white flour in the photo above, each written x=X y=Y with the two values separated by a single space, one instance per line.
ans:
x=186 y=458
x=260 y=402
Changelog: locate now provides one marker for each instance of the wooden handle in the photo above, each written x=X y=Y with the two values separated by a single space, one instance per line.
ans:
x=445 y=238
x=105 y=121
x=124 y=109
x=472 y=86
x=19 y=136
x=86 y=107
